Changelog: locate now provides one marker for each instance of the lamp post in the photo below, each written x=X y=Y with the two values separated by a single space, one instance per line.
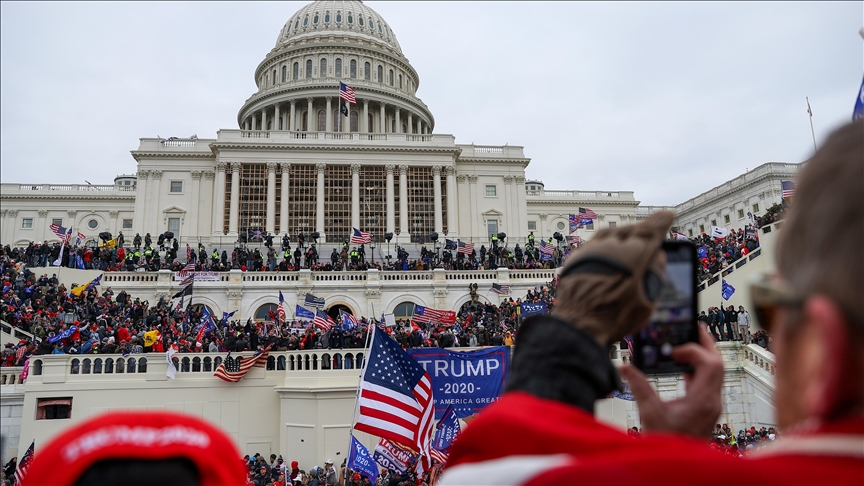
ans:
x=372 y=247
x=388 y=236
x=437 y=251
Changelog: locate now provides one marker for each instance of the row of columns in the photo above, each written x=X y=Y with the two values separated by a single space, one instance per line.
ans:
x=290 y=121
x=223 y=168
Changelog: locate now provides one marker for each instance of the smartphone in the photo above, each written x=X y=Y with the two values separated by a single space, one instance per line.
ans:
x=673 y=321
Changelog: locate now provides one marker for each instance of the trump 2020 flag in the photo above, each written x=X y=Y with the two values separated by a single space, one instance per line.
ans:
x=361 y=461
x=303 y=313
x=728 y=290
x=446 y=430
x=396 y=396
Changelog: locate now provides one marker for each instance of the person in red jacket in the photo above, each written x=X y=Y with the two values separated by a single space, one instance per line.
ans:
x=542 y=431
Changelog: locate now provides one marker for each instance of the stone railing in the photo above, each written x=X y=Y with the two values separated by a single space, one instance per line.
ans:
x=11 y=375
x=583 y=195
x=179 y=142
x=65 y=188
x=764 y=170
x=17 y=332
x=294 y=137
x=758 y=357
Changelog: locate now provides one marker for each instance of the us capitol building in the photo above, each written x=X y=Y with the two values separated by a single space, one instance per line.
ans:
x=295 y=165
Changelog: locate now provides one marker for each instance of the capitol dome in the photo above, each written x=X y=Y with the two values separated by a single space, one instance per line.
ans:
x=322 y=45
x=341 y=17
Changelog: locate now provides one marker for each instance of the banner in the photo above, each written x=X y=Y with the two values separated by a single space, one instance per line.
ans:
x=446 y=430
x=702 y=252
x=529 y=308
x=469 y=381
x=361 y=461
x=198 y=276
x=390 y=456
x=63 y=335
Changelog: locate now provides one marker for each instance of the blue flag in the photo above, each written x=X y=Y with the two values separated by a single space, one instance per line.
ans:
x=728 y=290
x=349 y=322
x=858 y=112
x=446 y=430
x=79 y=262
x=361 y=461
x=226 y=316
x=529 y=308
x=63 y=335
x=702 y=252
x=302 y=313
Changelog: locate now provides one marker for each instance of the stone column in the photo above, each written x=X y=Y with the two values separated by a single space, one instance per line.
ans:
x=410 y=123
x=328 y=125
x=382 y=122
x=419 y=126
x=507 y=219
x=254 y=121
x=520 y=197
x=404 y=232
x=398 y=120
x=283 y=204
x=264 y=119
x=5 y=225
x=192 y=225
x=452 y=210
x=114 y=226
x=41 y=224
x=319 y=200
x=292 y=119
x=207 y=188
x=475 y=218
x=436 y=188
x=219 y=199
x=355 y=196
x=235 y=199
x=154 y=202
x=246 y=123
x=277 y=118
x=365 y=121
x=391 y=200
x=270 y=222
x=140 y=201
x=309 y=116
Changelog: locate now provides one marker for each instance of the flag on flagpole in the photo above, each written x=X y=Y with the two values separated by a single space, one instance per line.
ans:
x=322 y=320
x=679 y=236
x=450 y=244
x=396 y=401
x=58 y=230
x=280 y=310
x=360 y=460
x=575 y=222
x=312 y=301
x=428 y=314
x=788 y=188
x=171 y=372
x=349 y=322
x=858 y=111
x=187 y=290
x=360 y=237
x=226 y=316
x=189 y=253
x=500 y=289
x=24 y=463
x=26 y=371
x=79 y=238
x=464 y=248
x=233 y=369
x=719 y=233
x=347 y=93
x=728 y=290
x=303 y=313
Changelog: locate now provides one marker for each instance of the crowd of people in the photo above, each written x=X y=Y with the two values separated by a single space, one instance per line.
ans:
x=729 y=324
x=115 y=255
x=277 y=472
x=746 y=442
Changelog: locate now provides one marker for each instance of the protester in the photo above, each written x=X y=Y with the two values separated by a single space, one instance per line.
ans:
x=813 y=309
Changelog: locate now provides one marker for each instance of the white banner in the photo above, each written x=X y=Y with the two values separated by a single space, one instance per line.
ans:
x=718 y=232
x=198 y=276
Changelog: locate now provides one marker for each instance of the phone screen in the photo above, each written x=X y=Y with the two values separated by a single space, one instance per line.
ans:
x=673 y=321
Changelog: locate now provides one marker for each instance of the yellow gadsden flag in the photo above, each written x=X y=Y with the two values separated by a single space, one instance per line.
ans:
x=110 y=244
x=77 y=291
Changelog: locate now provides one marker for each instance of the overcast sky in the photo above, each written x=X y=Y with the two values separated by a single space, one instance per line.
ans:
x=665 y=99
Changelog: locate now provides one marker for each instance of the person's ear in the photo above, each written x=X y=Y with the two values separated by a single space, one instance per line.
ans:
x=836 y=385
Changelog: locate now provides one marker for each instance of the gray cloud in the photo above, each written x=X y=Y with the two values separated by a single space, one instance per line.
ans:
x=666 y=99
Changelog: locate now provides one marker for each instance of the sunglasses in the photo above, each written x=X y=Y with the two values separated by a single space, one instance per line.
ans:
x=768 y=294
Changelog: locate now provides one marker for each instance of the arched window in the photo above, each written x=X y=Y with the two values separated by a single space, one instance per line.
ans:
x=308 y=68
x=284 y=73
x=327 y=18
x=390 y=77
x=371 y=24
x=404 y=311
x=322 y=73
x=354 y=121
x=338 y=17
x=296 y=72
x=393 y=125
x=263 y=312
x=350 y=18
x=305 y=121
x=273 y=79
x=400 y=81
x=109 y=366
x=380 y=74
x=367 y=71
x=322 y=121
x=305 y=21
x=353 y=68
x=370 y=124
x=404 y=127
x=37 y=367
x=338 y=67
x=360 y=20
x=315 y=19
x=296 y=24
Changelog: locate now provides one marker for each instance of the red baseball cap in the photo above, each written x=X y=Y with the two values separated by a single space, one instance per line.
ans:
x=138 y=435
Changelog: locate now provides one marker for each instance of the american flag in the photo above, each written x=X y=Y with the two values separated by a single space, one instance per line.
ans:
x=360 y=237
x=59 y=231
x=547 y=248
x=79 y=238
x=464 y=248
x=280 y=310
x=312 y=301
x=347 y=93
x=233 y=369
x=189 y=254
x=427 y=315
x=24 y=463
x=788 y=188
x=439 y=456
x=575 y=222
x=188 y=280
x=322 y=320
x=587 y=214
x=396 y=400
x=190 y=267
x=500 y=289
x=349 y=322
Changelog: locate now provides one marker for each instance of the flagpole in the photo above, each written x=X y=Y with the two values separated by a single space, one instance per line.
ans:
x=812 y=132
x=370 y=336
